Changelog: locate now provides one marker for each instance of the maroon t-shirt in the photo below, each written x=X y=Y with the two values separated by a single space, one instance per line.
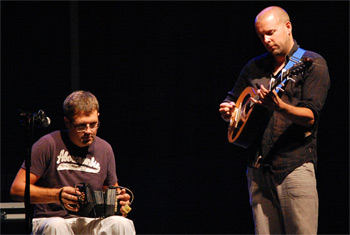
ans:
x=60 y=163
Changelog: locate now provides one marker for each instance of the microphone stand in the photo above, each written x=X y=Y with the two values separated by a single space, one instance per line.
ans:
x=29 y=122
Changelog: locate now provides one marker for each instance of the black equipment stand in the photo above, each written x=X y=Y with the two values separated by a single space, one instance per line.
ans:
x=29 y=120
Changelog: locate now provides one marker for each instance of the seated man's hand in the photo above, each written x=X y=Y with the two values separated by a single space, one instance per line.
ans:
x=124 y=202
x=68 y=198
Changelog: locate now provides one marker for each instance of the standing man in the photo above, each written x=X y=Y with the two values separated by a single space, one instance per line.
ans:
x=61 y=159
x=282 y=156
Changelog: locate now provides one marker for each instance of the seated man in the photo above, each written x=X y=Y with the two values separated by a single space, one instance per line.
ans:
x=61 y=159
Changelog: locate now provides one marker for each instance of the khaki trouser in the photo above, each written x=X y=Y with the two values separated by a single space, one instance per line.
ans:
x=83 y=225
x=290 y=207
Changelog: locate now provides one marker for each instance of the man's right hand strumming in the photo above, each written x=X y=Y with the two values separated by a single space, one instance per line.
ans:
x=226 y=109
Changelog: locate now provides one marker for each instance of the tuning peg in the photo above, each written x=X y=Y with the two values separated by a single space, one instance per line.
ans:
x=289 y=78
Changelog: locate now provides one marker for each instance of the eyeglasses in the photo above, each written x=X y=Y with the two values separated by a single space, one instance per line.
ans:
x=83 y=127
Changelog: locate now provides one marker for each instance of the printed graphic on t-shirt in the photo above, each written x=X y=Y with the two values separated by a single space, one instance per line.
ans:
x=68 y=162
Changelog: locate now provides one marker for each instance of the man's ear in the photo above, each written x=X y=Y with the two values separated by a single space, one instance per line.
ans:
x=289 y=26
x=66 y=121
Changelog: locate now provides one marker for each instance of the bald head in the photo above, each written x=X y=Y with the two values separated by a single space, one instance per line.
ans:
x=275 y=31
x=273 y=12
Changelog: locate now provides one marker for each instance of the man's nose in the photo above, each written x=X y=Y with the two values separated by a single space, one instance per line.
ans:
x=88 y=128
x=267 y=39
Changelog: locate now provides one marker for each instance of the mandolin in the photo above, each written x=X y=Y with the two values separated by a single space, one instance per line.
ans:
x=242 y=129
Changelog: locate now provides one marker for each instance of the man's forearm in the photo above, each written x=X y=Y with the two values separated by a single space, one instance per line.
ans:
x=38 y=195
x=299 y=115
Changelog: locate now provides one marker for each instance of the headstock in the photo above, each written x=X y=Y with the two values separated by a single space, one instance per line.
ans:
x=300 y=67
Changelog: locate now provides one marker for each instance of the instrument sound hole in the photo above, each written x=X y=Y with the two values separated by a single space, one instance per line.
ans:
x=246 y=104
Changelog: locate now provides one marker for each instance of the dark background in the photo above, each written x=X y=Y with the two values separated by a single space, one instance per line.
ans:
x=160 y=71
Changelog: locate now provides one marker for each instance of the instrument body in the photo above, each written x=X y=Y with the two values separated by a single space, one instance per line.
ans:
x=98 y=203
x=240 y=117
x=242 y=127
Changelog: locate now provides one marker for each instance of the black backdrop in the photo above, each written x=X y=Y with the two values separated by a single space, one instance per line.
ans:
x=160 y=70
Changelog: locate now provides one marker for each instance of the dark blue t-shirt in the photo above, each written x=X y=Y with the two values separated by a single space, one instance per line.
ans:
x=58 y=163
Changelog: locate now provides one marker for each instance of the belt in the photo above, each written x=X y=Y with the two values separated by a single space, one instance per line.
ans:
x=259 y=164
